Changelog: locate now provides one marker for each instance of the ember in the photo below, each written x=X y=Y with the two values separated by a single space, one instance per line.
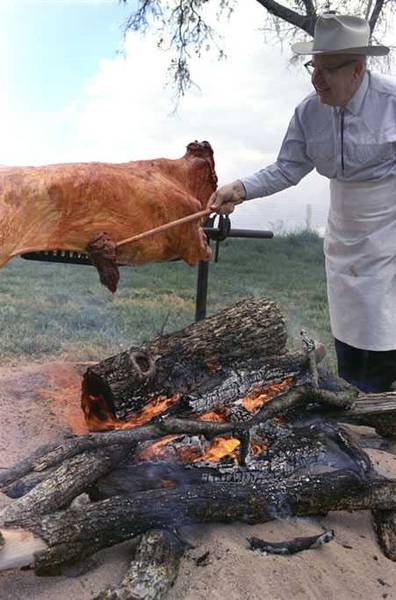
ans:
x=256 y=449
x=156 y=450
x=261 y=394
x=219 y=414
x=220 y=448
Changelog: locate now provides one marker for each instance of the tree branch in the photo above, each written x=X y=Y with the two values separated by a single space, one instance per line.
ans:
x=310 y=8
x=304 y=22
x=375 y=14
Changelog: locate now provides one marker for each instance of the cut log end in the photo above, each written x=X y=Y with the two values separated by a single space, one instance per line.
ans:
x=18 y=548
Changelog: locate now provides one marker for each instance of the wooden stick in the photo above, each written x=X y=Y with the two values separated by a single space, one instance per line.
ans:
x=140 y=236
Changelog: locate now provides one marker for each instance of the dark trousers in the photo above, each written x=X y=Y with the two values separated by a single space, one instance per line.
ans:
x=370 y=371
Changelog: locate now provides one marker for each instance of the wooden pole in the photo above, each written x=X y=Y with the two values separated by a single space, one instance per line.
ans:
x=166 y=226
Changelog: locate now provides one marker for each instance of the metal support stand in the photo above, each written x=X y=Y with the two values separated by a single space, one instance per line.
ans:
x=219 y=234
x=202 y=290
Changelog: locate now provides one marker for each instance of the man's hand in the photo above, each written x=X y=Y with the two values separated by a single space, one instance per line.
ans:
x=223 y=201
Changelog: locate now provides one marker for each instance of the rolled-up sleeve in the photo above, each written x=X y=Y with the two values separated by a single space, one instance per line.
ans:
x=290 y=167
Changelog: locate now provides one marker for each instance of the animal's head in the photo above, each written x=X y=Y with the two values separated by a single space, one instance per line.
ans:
x=201 y=155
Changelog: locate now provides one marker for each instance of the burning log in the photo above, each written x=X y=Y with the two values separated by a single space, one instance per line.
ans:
x=203 y=355
x=204 y=370
x=276 y=474
x=271 y=451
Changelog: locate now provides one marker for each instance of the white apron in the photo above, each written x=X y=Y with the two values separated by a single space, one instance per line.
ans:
x=360 y=250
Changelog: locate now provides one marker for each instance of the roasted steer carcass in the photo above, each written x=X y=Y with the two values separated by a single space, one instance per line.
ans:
x=92 y=206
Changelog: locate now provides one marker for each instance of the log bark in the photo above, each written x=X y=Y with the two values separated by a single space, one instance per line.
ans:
x=153 y=570
x=384 y=522
x=69 y=480
x=56 y=453
x=24 y=466
x=183 y=361
x=74 y=533
x=22 y=486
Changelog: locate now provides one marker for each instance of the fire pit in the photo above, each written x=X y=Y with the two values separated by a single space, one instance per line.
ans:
x=216 y=423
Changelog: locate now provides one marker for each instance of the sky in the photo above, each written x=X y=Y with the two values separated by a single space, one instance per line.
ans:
x=69 y=94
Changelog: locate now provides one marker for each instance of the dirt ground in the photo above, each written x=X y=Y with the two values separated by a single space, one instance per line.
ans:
x=39 y=402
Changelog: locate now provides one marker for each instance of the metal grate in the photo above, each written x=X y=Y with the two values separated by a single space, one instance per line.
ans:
x=59 y=256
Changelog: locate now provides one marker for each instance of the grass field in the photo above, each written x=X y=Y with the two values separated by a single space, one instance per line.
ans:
x=51 y=309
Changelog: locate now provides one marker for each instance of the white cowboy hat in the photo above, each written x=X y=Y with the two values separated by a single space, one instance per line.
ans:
x=340 y=34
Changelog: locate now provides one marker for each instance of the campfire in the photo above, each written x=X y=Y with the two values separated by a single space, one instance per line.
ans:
x=218 y=422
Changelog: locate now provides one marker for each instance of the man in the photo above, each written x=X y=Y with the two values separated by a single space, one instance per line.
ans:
x=346 y=129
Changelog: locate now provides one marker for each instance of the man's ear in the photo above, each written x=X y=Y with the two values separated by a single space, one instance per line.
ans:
x=358 y=69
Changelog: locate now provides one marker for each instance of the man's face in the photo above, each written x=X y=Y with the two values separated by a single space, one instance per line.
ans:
x=336 y=77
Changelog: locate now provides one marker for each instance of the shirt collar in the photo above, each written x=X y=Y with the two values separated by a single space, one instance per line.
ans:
x=355 y=103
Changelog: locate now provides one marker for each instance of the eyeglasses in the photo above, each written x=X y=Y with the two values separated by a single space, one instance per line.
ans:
x=310 y=67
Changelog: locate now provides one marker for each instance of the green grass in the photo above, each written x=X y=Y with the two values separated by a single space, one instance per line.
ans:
x=51 y=309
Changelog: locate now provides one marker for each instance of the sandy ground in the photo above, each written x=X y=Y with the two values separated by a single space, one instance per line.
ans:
x=39 y=402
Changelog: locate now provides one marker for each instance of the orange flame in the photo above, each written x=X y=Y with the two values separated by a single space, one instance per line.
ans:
x=219 y=448
x=261 y=394
x=219 y=414
x=161 y=450
x=98 y=418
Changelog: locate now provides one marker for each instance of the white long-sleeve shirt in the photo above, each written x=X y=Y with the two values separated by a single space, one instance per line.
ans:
x=362 y=148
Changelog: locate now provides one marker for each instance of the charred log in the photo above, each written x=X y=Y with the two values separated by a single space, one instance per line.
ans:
x=291 y=546
x=69 y=480
x=24 y=466
x=238 y=383
x=288 y=452
x=51 y=455
x=22 y=486
x=37 y=467
x=200 y=355
x=153 y=570
x=73 y=533
x=270 y=450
